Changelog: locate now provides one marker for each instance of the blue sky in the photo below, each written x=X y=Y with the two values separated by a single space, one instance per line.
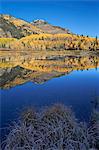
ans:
x=81 y=17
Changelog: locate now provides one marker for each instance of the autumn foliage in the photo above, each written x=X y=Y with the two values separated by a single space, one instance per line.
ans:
x=51 y=42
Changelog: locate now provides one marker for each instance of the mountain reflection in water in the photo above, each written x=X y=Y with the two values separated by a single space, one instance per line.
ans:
x=20 y=67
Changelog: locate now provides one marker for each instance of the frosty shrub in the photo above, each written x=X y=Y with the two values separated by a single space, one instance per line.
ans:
x=54 y=128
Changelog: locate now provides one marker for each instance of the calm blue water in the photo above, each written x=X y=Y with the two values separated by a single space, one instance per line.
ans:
x=76 y=89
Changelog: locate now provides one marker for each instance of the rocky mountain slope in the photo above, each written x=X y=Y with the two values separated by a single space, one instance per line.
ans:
x=48 y=28
x=18 y=28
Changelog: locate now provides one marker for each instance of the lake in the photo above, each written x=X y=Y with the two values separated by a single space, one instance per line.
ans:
x=39 y=80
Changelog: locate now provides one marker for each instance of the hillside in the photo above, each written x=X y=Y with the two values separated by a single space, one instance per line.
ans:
x=40 y=35
x=16 y=28
x=48 y=28
x=51 y=42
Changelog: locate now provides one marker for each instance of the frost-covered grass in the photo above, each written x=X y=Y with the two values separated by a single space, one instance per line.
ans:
x=54 y=128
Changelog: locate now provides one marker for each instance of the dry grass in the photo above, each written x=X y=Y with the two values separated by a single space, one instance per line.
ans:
x=54 y=128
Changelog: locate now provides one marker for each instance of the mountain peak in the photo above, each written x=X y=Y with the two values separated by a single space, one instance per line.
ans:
x=6 y=16
x=49 y=28
x=39 y=22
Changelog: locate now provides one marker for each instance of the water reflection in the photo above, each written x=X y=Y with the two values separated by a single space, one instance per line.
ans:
x=19 y=67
